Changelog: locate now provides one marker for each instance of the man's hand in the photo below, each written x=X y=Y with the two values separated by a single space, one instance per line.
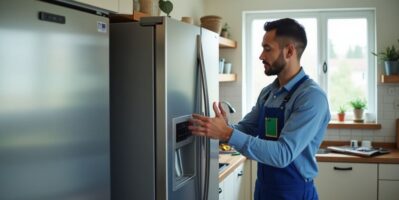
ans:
x=215 y=128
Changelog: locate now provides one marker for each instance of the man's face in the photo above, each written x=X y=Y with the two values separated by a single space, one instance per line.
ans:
x=272 y=55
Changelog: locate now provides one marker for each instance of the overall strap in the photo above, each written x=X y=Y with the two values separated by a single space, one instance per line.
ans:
x=293 y=89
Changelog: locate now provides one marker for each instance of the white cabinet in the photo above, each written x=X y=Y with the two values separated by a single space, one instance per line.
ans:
x=221 y=191
x=388 y=182
x=117 y=6
x=347 y=181
x=233 y=184
x=236 y=185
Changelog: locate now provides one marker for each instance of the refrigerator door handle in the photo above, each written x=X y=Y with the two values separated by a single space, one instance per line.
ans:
x=200 y=57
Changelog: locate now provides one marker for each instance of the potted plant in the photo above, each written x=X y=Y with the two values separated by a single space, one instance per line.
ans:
x=390 y=57
x=225 y=31
x=341 y=113
x=166 y=6
x=358 y=108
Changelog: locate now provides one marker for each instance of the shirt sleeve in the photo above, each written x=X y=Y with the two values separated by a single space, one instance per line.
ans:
x=310 y=114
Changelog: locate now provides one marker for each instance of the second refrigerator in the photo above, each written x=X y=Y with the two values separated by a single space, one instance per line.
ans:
x=162 y=71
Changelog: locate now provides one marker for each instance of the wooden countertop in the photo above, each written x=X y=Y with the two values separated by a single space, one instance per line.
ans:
x=390 y=158
x=234 y=162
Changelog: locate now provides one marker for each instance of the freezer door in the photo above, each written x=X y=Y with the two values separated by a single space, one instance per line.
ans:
x=54 y=97
x=132 y=112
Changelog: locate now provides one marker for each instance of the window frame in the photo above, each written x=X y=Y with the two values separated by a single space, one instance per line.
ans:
x=322 y=17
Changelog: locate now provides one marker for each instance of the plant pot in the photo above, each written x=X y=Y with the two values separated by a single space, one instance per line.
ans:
x=212 y=22
x=150 y=7
x=224 y=34
x=358 y=115
x=341 y=117
x=391 y=67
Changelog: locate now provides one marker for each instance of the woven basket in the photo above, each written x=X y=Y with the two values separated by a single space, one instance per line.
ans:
x=212 y=22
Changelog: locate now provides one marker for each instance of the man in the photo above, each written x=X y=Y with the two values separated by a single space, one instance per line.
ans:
x=285 y=128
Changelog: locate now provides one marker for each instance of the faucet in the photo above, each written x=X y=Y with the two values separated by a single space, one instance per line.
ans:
x=231 y=108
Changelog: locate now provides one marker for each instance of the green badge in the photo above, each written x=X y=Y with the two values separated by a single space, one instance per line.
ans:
x=271 y=127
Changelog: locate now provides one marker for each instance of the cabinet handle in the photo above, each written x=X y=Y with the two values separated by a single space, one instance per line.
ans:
x=343 y=168
x=240 y=173
x=220 y=190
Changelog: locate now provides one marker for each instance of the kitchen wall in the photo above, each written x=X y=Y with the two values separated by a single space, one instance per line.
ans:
x=387 y=32
x=191 y=8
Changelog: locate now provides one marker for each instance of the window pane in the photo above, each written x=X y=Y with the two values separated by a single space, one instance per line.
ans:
x=347 y=61
x=308 y=60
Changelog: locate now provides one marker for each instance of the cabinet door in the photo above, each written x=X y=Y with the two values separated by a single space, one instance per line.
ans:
x=117 y=6
x=221 y=191
x=111 y=5
x=388 y=190
x=388 y=185
x=347 y=181
x=238 y=186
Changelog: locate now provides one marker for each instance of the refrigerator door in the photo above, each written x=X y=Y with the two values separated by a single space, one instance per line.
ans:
x=133 y=128
x=176 y=94
x=210 y=47
x=54 y=97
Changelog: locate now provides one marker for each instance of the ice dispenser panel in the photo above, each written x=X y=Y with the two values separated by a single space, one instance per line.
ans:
x=184 y=152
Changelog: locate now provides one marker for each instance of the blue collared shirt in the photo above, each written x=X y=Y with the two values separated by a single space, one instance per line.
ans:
x=306 y=118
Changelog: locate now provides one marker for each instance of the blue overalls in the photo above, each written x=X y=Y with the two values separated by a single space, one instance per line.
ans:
x=280 y=183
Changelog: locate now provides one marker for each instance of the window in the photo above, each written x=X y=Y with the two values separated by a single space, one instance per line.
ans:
x=337 y=55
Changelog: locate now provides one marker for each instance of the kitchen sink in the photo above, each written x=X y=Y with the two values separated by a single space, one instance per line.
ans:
x=323 y=151
x=223 y=166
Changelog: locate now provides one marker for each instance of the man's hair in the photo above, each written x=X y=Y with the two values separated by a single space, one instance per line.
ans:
x=289 y=29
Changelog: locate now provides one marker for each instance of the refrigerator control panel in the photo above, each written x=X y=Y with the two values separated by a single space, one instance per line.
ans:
x=182 y=131
x=182 y=136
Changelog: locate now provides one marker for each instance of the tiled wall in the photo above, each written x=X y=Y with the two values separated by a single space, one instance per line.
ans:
x=386 y=115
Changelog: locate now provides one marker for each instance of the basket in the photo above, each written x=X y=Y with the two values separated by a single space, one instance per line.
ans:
x=212 y=22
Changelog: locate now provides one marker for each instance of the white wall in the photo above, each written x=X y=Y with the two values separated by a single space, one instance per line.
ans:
x=387 y=21
x=189 y=8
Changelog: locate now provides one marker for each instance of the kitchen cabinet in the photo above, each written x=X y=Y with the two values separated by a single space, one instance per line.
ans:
x=221 y=191
x=234 y=185
x=388 y=182
x=347 y=181
x=230 y=44
x=116 y=6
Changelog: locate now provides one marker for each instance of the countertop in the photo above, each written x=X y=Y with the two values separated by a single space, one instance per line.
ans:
x=233 y=160
x=391 y=158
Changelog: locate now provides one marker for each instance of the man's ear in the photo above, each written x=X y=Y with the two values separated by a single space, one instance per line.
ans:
x=290 y=50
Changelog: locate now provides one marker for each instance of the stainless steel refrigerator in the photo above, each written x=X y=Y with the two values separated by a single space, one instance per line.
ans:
x=54 y=102
x=162 y=71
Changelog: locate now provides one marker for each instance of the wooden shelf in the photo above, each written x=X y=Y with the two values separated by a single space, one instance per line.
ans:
x=227 y=43
x=352 y=125
x=227 y=77
x=390 y=79
x=115 y=18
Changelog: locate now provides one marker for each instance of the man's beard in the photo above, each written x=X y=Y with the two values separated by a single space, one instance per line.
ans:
x=277 y=66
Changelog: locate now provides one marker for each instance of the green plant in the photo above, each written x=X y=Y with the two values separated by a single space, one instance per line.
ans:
x=342 y=109
x=226 y=27
x=358 y=104
x=389 y=54
x=165 y=6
